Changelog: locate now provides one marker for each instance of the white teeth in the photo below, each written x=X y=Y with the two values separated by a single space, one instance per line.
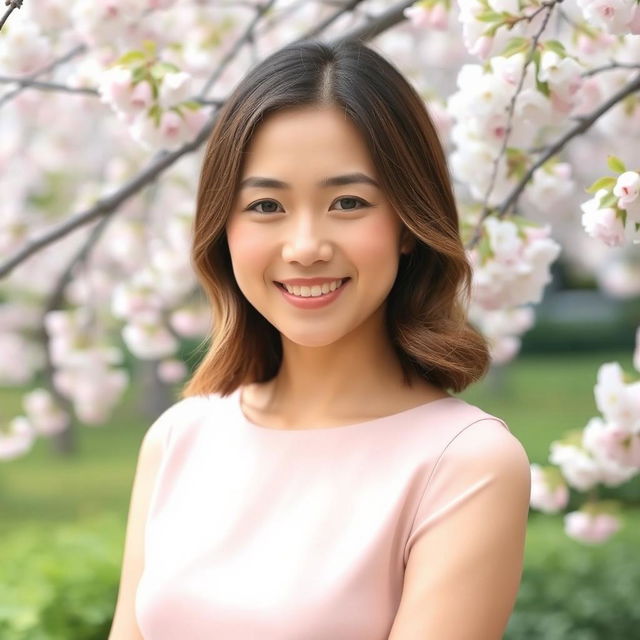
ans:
x=314 y=291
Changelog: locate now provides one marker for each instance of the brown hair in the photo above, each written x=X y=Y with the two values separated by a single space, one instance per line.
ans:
x=426 y=308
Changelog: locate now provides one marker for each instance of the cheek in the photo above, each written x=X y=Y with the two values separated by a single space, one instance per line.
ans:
x=375 y=247
x=248 y=253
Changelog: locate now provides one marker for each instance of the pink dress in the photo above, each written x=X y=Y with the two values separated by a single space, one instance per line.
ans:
x=256 y=533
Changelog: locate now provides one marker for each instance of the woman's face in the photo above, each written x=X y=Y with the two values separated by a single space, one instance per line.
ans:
x=304 y=229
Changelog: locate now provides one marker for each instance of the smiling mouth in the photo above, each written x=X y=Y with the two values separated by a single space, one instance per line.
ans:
x=308 y=289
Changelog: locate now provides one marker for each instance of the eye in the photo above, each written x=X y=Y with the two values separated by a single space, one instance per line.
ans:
x=352 y=199
x=270 y=206
x=252 y=207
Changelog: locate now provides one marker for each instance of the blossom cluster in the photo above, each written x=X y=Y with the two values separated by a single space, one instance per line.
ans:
x=154 y=99
x=606 y=451
x=613 y=214
x=511 y=263
x=480 y=108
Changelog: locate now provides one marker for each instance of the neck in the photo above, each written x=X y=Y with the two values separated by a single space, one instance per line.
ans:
x=333 y=379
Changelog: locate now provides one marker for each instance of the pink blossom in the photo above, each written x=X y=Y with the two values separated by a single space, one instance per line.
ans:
x=115 y=87
x=546 y=498
x=627 y=188
x=613 y=441
x=170 y=371
x=142 y=95
x=19 y=439
x=588 y=97
x=175 y=88
x=603 y=224
x=634 y=24
x=613 y=16
x=190 y=322
x=195 y=119
x=172 y=129
x=482 y=47
x=589 y=528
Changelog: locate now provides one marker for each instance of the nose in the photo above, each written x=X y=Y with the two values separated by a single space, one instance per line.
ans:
x=306 y=243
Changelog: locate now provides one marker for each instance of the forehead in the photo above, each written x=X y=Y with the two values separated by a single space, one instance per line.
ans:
x=310 y=137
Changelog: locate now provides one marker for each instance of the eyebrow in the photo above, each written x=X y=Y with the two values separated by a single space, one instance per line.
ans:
x=335 y=181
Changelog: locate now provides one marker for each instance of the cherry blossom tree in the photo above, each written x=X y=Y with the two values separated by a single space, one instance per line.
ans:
x=105 y=108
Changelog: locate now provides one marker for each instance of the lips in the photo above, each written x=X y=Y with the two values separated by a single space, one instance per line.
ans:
x=313 y=284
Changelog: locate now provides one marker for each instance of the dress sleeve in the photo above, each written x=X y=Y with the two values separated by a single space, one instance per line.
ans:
x=470 y=462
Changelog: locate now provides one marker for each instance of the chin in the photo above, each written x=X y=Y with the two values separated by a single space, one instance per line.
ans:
x=311 y=339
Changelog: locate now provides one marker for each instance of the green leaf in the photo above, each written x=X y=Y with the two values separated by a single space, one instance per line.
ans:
x=515 y=45
x=557 y=47
x=192 y=105
x=139 y=74
x=602 y=183
x=609 y=200
x=155 y=112
x=160 y=69
x=615 y=164
x=150 y=48
x=489 y=16
x=131 y=57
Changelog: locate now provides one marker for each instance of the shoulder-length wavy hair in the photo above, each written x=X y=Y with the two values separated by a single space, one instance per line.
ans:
x=426 y=312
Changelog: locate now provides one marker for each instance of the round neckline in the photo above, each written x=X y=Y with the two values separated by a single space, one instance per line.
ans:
x=354 y=426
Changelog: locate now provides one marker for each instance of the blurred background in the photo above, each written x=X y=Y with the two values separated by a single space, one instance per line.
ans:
x=64 y=504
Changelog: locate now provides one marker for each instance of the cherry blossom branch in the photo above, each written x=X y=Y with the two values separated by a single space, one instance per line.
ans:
x=50 y=67
x=512 y=104
x=584 y=123
x=377 y=25
x=46 y=86
x=12 y=4
x=106 y=206
x=608 y=67
x=327 y=22
x=55 y=301
x=245 y=37
x=511 y=21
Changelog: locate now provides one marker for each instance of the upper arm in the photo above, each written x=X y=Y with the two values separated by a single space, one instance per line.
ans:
x=467 y=544
x=124 y=625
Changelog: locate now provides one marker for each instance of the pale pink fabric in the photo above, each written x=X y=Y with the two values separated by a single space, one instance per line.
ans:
x=263 y=534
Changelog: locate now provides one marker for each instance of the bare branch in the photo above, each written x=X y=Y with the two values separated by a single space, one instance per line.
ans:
x=378 y=24
x=245 y=37
x=608 y=67
x=52 y=65
x=327 y=22
x=47 y=86
x=12 y=4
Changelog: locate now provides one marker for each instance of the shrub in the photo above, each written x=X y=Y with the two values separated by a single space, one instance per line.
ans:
x=60 y=584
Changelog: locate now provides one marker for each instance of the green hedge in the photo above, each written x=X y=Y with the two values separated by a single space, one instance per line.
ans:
x=61 y=584
x=579 y=593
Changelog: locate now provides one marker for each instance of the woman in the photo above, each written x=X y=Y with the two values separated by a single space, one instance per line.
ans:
x=317 y=481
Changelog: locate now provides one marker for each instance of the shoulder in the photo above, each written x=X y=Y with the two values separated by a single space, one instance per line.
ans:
x=480 y=441
x=183 y=411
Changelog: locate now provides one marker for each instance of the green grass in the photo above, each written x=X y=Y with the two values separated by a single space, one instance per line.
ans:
x=539 y=397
